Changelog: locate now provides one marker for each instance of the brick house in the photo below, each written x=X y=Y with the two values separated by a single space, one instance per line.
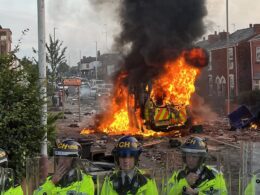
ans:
x=109 y=63
x=244 y=69
x=5 y=40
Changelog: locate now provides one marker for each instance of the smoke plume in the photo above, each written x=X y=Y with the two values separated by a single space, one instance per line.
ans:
x=156 y=31
x=200 y=111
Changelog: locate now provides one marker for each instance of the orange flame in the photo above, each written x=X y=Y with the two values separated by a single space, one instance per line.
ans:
x=253 y=126
x=86 y=131
x=174 y=86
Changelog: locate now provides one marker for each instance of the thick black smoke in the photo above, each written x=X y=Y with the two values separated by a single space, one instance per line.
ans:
x=157 y=31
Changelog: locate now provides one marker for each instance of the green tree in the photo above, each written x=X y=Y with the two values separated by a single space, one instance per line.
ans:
x=63 y=69
x=21 y=130
x=55 y=57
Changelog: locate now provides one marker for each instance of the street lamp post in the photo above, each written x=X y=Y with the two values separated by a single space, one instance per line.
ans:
x=42 y=71
x=96 y=61
x=228 y=80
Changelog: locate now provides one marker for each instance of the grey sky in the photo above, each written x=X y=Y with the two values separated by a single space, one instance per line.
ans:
x=80 y=24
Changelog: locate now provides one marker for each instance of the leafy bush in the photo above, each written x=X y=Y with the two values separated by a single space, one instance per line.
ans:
x=21 y=131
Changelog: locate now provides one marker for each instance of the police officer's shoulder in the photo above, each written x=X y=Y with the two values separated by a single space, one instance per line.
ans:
x=212 y=170
x=113 y=175
x=86 y=175
x=146 y=175
x=143 y=173
x=142 y=178
x=180 y=174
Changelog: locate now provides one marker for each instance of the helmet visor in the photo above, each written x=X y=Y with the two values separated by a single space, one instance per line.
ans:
x=127 y=153
x=190 y=154
x=69 y=153
x=194 y=151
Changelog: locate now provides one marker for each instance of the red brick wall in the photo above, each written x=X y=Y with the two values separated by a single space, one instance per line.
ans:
x=256 y=65
x=219 y=68
x=244 y=67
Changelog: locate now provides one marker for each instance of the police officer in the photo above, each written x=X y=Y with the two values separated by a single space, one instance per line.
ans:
x=6 y=183
x=196 y=178
x=253 y=188
x=68 y=178
x=128 y=179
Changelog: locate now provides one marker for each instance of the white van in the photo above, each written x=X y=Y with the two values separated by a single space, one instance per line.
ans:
x=96 y=82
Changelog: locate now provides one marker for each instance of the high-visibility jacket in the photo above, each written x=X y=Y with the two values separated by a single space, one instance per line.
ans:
x=83 y=187
x=140 y=185
x=210 y=182
x=253 y=188
x=14 y=191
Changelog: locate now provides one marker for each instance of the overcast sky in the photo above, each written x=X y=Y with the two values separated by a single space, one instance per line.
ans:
x=80 y=24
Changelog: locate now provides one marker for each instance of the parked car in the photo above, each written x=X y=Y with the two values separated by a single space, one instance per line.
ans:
x=96 y=82
x=103 y=92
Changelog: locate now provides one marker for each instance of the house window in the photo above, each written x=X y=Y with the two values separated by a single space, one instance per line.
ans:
x=210 y=62
x=258 y=54
x=218 y=83
x=232 y=85
x=223 y=86
x=210 y=85
x=230 y=58
x=3 y=38
x=256 y=84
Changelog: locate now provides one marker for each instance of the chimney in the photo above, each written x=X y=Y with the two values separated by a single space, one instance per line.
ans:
x=213 y=38
x=204 y=38
x=257 y=28
x=250 y=26
x=223 y=35
x=98 y=54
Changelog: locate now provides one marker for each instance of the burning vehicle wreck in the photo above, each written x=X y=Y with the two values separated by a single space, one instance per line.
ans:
x=165 y=101
x=161 y=104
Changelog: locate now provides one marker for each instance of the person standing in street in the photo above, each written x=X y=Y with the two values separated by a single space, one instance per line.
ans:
x=7 y=184
x=128 y=179
x=196 y=178
x=68 y=177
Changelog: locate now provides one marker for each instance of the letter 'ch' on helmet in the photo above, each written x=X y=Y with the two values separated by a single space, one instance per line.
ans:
x=3 y=157
x=127 y=146
x=195 y=145
x=69 y=148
